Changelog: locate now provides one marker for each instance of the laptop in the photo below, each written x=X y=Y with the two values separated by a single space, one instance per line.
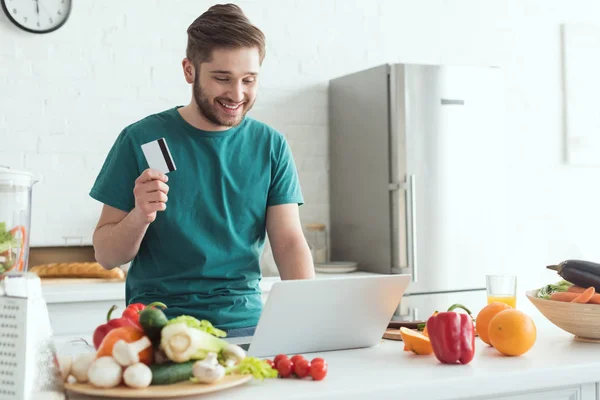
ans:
x=315 y=315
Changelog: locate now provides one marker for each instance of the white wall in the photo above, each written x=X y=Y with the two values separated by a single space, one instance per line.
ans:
x=65 y=96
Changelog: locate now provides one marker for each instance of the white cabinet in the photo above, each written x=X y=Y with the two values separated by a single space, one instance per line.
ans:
x=74 y=322
x=81 y=318
x=583 y=392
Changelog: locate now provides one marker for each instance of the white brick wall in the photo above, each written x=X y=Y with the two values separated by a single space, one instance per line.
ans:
x=65 y=96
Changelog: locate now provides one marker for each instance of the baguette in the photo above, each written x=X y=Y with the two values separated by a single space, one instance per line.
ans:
x=76 y=270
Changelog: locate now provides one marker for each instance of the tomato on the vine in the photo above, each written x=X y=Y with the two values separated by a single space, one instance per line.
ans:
x=318 y=360
x=278 y=358
x=296 y=358
x=285 y=367
x=318 y=370
x=302 y=368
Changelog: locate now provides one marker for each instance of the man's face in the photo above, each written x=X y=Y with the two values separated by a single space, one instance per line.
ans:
x=225 y=88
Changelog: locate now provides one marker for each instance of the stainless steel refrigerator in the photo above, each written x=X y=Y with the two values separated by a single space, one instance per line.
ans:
x=418 y=179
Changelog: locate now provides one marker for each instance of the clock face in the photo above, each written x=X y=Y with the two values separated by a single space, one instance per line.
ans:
x=37 y=16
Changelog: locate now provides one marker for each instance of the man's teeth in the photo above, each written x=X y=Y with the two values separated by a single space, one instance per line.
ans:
x=228 y=106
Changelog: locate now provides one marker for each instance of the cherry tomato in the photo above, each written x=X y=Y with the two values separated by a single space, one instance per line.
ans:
x=318 y=370
x=278 y=358
x=302 y=368
x=271 y=363
x=318 y=360
x=285 y=367
x=296 y=358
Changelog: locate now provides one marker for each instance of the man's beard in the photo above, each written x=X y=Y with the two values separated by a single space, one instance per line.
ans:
x=207 y=109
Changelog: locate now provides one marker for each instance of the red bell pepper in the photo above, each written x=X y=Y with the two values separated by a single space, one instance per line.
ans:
x=452 y=335
x=133 y=310
x=102 y=330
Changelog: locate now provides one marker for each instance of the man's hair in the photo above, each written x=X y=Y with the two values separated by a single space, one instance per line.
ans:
x=222 y=26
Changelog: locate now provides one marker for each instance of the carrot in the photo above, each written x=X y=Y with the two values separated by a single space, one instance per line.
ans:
x=578 y=289
x=570 y=296
x=585 y=296
x=575 y=289
x=20 y=264
x=564 y=296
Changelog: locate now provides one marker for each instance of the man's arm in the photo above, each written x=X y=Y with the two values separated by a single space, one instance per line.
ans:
x=118 y=235
x=290 y=250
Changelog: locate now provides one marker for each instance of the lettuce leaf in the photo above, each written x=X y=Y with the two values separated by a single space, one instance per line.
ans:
x=203 y=325
x=560 y=286
x=256 y=367
x=5 y=235
x=7 y=241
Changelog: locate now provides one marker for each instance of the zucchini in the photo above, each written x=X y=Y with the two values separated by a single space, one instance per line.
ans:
x=152 y=321
x=579 y=272
x=169 y=373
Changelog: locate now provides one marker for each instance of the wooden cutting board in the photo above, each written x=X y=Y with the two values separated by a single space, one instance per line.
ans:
x=77 y=281
x=393 y=330
x=181 y=389
x=392 y=334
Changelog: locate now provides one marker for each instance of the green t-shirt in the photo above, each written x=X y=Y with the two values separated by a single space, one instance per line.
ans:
x=201 y=255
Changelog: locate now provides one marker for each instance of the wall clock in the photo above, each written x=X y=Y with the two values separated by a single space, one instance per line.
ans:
x=37 y=16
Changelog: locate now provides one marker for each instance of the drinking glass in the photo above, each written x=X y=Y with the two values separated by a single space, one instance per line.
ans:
x=502 y=288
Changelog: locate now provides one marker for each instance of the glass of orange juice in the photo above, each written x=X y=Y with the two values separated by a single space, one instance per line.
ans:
x=502 y=288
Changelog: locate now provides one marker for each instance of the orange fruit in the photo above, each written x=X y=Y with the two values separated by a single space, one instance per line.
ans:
x=415 y=341
x=484 y=317
x=425 y=331
x=512 y=332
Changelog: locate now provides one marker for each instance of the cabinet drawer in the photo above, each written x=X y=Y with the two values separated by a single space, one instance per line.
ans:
x=71 y=319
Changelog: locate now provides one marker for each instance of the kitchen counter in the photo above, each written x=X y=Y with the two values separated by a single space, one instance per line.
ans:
x=556 y=367
x=91 y=300
x=112 y=291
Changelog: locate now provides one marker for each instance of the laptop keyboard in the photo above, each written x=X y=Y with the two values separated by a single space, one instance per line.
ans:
x=245 y=346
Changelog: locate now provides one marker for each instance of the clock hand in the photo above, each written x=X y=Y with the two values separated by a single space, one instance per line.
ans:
x=37 y=7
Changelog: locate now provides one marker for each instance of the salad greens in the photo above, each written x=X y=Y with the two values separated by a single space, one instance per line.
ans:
x=256 y=367
x=203 y=325
x=560 y=286
x=7 y=242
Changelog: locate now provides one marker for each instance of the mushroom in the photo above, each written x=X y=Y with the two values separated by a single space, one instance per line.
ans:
x=208 y=370
x=81 y=366
x=127 y=354
x=137 y=376
x=64 y=365
x=160 y=357
x=233 y=354
x=105 y=372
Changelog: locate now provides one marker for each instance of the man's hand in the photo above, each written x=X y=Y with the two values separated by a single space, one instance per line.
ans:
x=150 y=193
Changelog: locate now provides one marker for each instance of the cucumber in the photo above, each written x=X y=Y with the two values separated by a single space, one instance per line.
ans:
x=579 y=272
x=166 y=374
x=152 y=321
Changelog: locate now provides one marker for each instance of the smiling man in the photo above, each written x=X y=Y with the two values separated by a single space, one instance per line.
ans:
x=195 y=236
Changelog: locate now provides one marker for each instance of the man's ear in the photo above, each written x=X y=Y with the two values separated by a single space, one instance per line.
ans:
x=188 y=70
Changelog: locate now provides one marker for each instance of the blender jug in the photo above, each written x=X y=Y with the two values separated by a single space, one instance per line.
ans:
x=15 y=218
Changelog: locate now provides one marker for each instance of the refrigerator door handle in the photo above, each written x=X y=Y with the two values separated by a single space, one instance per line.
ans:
x=410 y=228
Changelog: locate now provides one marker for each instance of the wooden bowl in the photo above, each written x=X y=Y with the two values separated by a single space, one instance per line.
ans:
x=581 y=320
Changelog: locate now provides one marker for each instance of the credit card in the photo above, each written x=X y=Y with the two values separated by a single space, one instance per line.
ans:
x=158 y=156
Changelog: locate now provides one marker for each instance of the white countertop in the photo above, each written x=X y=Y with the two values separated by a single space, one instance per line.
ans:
x=110 y=291
x=555 y=361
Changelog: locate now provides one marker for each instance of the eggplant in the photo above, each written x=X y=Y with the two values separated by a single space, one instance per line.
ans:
x=579 y=272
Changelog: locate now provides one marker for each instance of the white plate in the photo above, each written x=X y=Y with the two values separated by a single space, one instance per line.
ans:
x=336 y=267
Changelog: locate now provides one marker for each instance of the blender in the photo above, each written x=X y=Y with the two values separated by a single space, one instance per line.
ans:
x=15 y=218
